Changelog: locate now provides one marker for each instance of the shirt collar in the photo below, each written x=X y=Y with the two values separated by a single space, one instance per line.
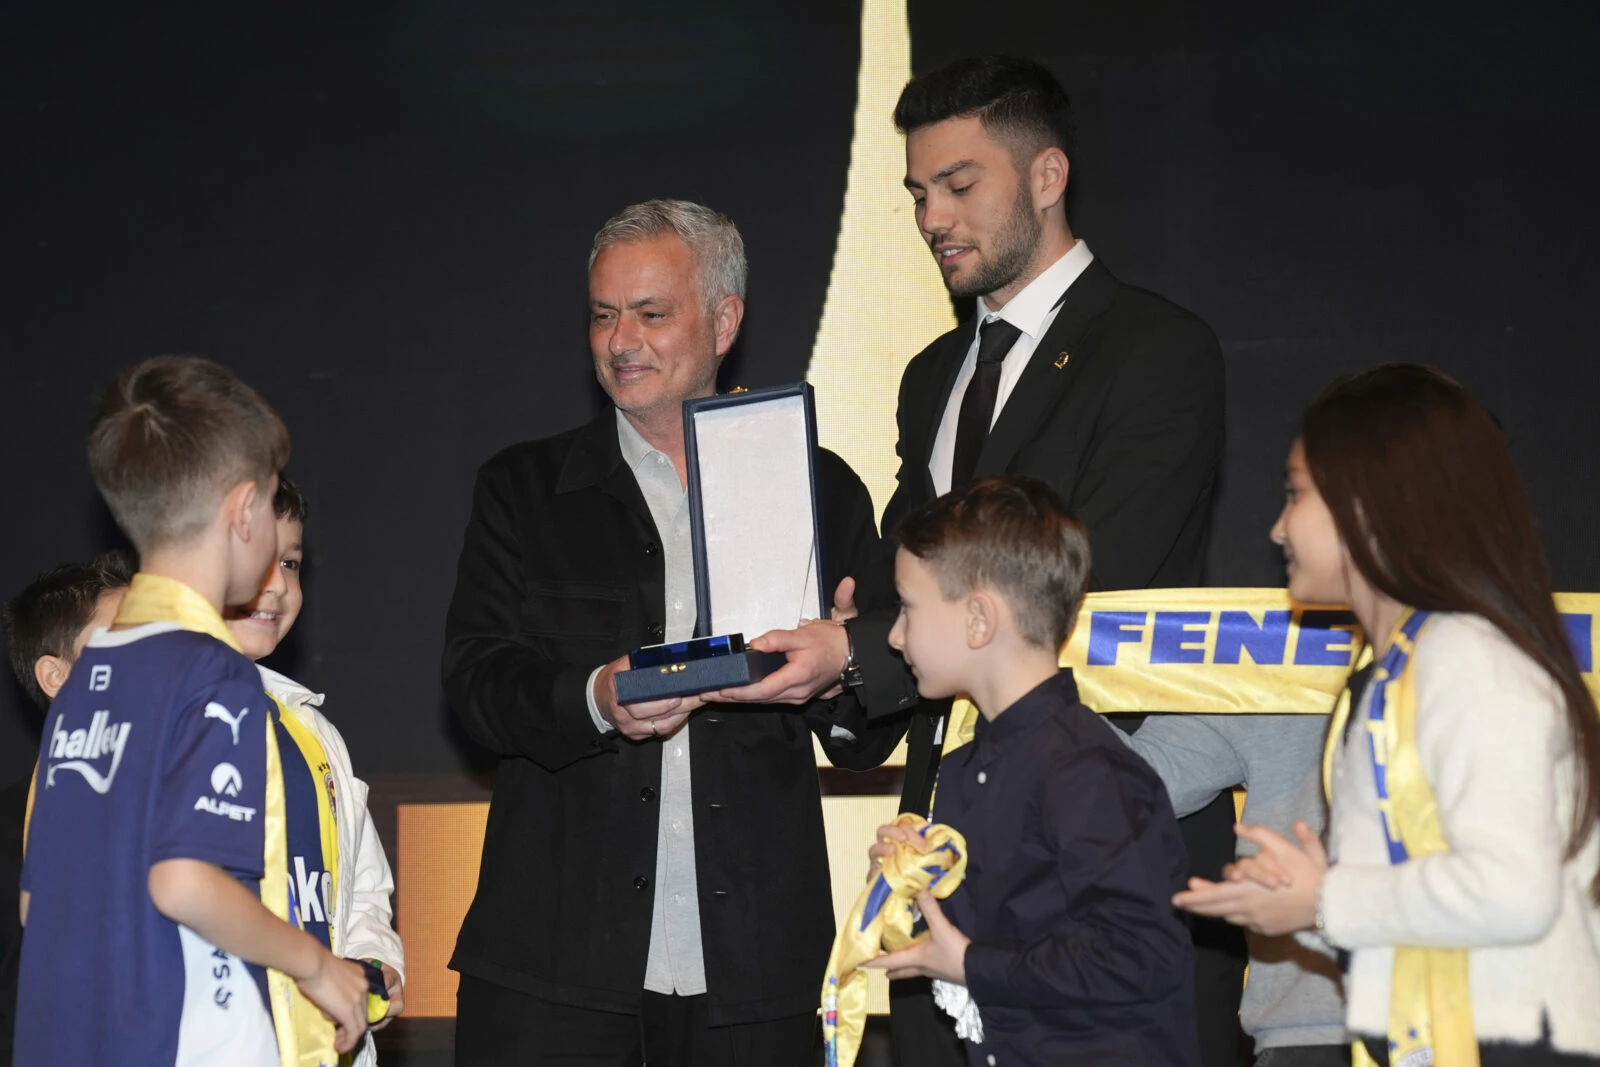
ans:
x=1029 y=309
x=1029 y=711
x=287 y=689
x=635 y=449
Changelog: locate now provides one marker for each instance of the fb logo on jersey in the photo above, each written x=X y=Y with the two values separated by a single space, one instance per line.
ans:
x=100 y=677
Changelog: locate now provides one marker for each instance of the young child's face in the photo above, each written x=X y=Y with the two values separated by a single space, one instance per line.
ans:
x=259 y=625
x=931 y=631
x=1315 y=557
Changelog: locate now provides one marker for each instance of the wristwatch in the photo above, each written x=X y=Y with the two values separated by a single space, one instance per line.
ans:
x=850 y=677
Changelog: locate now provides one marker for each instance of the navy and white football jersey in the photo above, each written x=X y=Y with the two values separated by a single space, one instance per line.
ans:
x=154 y=750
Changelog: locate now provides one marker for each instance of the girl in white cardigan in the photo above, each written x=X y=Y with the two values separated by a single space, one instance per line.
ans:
x=361 y=920
x=1460 y=875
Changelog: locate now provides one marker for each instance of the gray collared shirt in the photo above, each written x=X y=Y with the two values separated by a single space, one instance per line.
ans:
x=676 y=963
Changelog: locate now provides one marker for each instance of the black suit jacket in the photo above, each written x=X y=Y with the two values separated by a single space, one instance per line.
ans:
x=1120 y=410
x=561 y=571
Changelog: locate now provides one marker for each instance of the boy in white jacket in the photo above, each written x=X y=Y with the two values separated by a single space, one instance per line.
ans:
x=356 y=918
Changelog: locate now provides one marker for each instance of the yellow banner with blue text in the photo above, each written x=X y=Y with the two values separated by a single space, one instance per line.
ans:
x=1236 y=650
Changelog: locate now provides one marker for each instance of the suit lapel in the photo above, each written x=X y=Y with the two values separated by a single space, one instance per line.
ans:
x=1053 y=367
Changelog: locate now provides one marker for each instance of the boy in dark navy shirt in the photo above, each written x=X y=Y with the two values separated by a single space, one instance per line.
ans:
x=1061 y=945
x=146 y=936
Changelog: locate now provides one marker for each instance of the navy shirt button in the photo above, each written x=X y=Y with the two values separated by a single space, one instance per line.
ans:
x=983 y=776
x=641 y=882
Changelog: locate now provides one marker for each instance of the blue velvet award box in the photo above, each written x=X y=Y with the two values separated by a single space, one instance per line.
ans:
x=756 y=542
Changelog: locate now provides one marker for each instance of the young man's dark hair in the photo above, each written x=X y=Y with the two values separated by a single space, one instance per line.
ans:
x=289 y=502
x=1018 y=101
x=47 y=616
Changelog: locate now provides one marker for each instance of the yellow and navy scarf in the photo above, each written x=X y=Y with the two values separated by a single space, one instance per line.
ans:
x=305 y=1035
x=316 y=758
x=1430 y=1006
x=882 y=920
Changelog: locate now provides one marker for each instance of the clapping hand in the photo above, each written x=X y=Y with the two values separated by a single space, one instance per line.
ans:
x=1272 y=892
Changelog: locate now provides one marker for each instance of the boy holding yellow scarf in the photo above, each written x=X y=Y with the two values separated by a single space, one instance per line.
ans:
x=1060 y=946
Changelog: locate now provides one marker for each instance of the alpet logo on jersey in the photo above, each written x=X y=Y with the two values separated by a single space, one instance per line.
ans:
x=81 y=751
x=225 y=781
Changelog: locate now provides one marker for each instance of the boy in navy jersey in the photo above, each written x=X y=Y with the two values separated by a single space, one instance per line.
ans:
x=146 y=936
x=1061 y=944
x=340 y=873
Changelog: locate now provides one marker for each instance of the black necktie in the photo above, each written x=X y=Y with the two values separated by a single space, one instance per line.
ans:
x=995 y=339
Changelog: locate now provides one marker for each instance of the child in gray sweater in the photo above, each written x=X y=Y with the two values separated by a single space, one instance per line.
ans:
x=1292 y=1005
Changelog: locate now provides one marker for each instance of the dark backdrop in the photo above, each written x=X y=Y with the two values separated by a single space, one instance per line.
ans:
x=378 y=214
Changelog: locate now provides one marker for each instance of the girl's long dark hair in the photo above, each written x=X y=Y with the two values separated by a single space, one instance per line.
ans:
x=1426 y=499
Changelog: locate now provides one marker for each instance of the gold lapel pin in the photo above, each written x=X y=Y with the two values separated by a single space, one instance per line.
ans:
x=1061 y=360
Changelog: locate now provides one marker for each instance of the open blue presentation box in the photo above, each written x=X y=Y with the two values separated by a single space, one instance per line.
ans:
x=757 y=540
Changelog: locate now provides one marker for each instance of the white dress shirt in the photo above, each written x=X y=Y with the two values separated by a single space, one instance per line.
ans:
x=1032 y=311
x=676 y=963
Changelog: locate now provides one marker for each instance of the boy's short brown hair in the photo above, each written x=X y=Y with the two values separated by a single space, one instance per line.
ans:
x=1011 y=535
x=172 y=436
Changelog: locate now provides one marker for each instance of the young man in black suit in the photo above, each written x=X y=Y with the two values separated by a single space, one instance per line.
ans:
x=1111 y=394
x=623 y=915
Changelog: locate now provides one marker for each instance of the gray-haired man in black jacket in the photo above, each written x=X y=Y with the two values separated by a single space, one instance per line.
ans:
x=655 y=880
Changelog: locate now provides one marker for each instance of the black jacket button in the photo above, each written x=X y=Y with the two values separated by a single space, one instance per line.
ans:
x=641 y=882
x=647 y=794
x=657 y=631
x=651 y=548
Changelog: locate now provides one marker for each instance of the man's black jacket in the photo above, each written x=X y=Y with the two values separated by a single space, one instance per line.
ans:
x=561 y=571
x=1119 y=410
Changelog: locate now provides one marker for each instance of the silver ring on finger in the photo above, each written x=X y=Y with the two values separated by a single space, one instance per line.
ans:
x=653 y=728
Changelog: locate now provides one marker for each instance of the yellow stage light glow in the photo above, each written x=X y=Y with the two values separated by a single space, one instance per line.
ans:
x=885 y=299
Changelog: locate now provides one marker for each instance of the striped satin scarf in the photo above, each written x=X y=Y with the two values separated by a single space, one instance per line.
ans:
x=1430 y=1005
x=882 y=920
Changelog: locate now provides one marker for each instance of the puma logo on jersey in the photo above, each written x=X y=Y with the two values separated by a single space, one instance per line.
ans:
x=217 y=711
x=80 y=750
